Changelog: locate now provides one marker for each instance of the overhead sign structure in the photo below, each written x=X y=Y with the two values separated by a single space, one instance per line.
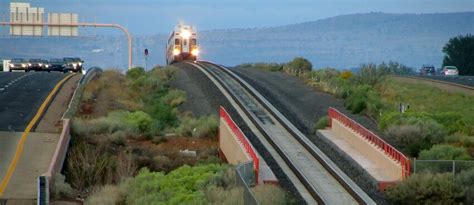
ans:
x=29 y=20
x=62 y=24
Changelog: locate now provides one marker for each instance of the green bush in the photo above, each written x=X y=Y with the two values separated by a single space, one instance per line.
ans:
x=356 y=101
x=298 y=65
x=426 y=188
x=465 y=180
x=444 y=152
x=322 y=123
x=136 y=72
x=184 y=185
x=163 y=113
x=414 y=134
x=200 y=127
x=453 y=122
x=174 y=98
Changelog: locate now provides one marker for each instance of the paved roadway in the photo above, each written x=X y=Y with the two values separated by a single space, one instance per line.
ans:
x=21 y=95
x=463 y=80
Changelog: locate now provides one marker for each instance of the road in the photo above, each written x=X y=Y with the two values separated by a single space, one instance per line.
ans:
x=462 y=80
x=21 y=95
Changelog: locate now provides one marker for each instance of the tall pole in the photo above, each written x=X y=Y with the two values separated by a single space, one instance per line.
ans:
x=129 y=37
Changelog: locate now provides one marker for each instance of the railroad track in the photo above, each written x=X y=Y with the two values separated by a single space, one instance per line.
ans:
x=325 y=182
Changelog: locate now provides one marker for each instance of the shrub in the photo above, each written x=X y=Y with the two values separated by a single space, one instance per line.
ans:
x=108 y=194
x=200 y=127
x=184 y=185
x=298 y=65
x=356 y=101
x=136 y=72
x=263 y=191
x=89 y=166
x=444 y=152
x=118 y=138
x=426 y=188
x=465 y=179
x=346 y=74
x=322 y=123
x=415 y=135
x=61 y=188
x=174 y=98
x=163 y=113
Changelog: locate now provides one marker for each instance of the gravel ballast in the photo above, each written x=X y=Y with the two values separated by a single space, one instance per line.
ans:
x=303 y=106
x=204 y=98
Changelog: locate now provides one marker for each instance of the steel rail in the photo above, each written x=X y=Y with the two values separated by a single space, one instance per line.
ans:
x=348 y=187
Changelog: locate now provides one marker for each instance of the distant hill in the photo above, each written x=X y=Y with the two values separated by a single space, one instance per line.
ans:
x=342 y=41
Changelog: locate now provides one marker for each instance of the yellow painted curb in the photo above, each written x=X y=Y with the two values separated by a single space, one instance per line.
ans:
x=21 y=143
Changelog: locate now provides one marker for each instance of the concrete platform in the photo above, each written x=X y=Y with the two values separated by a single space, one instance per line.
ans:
x=34 y=161
x=378 y=172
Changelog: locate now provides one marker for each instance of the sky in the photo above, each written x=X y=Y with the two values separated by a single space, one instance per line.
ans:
x=144 y=17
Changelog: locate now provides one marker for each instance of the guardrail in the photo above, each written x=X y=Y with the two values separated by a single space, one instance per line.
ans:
x=46 y=180
x=373 y=138
x=242 y=139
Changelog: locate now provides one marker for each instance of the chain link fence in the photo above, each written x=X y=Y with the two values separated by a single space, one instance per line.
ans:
x=246 y=179
x=442 y=166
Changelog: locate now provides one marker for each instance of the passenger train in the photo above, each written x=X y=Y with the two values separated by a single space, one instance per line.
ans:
x=182 y=44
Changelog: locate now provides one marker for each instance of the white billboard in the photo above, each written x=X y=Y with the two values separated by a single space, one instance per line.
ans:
x=66 y=20
x=24 y=14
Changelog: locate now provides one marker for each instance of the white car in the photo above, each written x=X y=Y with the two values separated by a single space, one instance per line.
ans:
x=450 y=70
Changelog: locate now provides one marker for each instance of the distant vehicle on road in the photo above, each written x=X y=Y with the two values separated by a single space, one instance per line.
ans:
x=19 y=64
x=70 y=64
x=35 y=64
x=450 y=71
x=79 y=62
x=427 y=70
x=46 y=66
x=182 y=45
x=56 y=64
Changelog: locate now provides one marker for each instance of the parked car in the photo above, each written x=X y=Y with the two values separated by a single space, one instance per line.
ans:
x=56 y=64
x=427 y=70
x=46 y=66
x=450 y=71
x=19 y=64
x=35 y=64
x=70 y=64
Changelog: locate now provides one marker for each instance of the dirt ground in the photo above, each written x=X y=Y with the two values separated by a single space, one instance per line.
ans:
x=51 y=120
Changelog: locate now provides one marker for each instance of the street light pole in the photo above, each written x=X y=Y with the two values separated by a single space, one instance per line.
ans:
x=129 y=37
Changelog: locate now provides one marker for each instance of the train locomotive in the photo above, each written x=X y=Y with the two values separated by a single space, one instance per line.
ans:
x=182 y=45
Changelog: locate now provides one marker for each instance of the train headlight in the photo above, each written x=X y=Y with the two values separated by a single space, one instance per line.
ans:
x=195 y=52
x=176 y=52
x=11 y=65
x=40 y=64
x=74 y=65
x=185 y=34
x=23 y=65
x=80 y=64
x=29 y=64
x=47 y=66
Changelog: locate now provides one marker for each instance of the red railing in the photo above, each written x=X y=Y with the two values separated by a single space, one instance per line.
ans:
x=242 y=139
x=373 y=138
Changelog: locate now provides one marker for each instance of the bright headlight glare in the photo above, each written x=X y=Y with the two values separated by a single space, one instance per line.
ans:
x=40 y=64
x=23 y=65
x=29 y=64
x=74 y=64
x=80 y=64
x=11 y=65
x=185 y=34
x=176 y=51
x=195 y=52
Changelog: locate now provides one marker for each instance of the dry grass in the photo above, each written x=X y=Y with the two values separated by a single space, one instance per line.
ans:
x=262 y=193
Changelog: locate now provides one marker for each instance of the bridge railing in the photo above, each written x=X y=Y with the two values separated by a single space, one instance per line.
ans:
x=388 y=149
x=242 y=139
